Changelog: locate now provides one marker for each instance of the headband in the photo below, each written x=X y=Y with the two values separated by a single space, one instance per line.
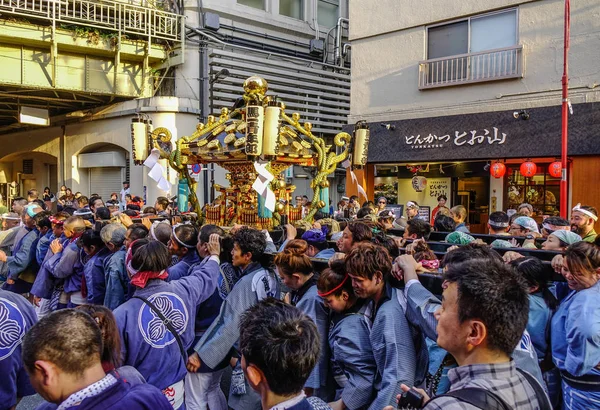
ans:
x=578 y=208
x=179 y=241
x=334 y=289
x=12 y=218
x=411 y=204
x=55 y=220
x=548 y=227
x=498 y=224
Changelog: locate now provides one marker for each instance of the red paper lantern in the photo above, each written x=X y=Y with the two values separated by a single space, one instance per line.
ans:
x=528 y=169
x=498 y=170
x=555 y=169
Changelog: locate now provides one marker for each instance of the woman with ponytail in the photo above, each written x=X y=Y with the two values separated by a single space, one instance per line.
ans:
x=296 y=272
x=352 y=360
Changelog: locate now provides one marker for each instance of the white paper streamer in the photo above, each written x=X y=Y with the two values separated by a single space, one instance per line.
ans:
x=262 y=184
x=361 y=191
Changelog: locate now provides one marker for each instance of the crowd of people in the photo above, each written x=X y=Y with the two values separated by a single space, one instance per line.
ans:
x=98 y=310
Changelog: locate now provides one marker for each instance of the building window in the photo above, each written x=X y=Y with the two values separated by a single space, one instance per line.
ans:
x=257 y=4
x=328 y=12
x=542 y=191
x=292 y=8
x=480 y=48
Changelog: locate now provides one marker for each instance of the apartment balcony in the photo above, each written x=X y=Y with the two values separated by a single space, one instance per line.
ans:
x=68 y=55
x=490 y=65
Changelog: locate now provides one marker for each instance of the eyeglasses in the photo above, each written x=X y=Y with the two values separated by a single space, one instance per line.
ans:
x=383 y=202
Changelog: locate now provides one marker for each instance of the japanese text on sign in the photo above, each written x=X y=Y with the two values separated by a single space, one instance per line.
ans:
x=460 y=138
x=438 y=187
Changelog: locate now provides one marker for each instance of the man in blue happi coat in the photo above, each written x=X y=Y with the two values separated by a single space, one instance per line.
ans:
x=62 y=353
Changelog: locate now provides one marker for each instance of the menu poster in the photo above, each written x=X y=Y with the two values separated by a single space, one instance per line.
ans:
x=424 y=212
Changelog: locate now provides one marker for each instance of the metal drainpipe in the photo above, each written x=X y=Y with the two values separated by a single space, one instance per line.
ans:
x=338 y=41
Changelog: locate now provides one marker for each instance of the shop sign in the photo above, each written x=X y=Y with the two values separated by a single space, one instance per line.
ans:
x=439 y=186
x=459 y=138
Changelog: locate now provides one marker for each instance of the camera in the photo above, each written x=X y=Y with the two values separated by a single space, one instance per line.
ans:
x=411 y=399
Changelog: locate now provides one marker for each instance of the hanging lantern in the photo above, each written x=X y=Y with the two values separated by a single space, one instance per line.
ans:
x=555 y=169
x=498 y=170
x=528 y=169
x=419 y=183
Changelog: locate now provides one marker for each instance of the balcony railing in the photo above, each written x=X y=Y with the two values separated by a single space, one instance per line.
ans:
x=491 y=65
x=124 y=18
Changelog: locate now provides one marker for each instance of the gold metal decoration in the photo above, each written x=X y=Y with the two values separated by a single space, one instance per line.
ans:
x=257 y=128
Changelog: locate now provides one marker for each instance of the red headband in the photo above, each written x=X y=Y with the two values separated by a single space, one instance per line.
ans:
x=56 y=221
x=334 y=289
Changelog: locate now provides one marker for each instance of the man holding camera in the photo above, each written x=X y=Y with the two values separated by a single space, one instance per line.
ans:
x=482 y=318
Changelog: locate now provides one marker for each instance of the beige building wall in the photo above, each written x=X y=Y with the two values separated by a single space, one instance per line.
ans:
x=389 y=41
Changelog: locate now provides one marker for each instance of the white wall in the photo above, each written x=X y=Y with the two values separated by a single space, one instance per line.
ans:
x=388 y=43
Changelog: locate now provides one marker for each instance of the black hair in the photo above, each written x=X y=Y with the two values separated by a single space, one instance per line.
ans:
x=444 y=223
x=207 y=230
x=131 y=213
x=470 y=251
x=444 y=197
x=226 y=248
x=102 y=213
x=69 y=209
x=162 y=201
x=363 y=212
x=368 y=204
x=387 y=242
x=282 y=342
x=137 y=231
x=68 y=338
x=418 y=227
x=499 y=217
x=490 y=291
x=40 y=203
x=533 y=272
x=150 y=210
x=133 y=207
x=251 y=240
x=90 y=238
x=361 y=232
x=152 y=256
x=188 y=234
x=556 y=221
x=93 y=199
x=42 y=219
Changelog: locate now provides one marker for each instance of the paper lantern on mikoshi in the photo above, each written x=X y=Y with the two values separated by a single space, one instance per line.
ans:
x=528 y=169
x=555 y=169
x=498 y=170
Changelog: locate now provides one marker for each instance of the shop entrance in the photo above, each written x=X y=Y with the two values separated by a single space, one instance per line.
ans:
x=473 y=193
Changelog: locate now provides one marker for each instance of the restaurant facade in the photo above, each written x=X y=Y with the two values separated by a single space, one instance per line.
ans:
x=480 y=125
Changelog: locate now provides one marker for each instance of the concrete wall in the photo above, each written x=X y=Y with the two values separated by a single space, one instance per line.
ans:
x=389 y=41
x=110 y=129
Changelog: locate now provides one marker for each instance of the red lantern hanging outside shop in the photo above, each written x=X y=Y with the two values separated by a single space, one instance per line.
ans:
x=528 y=169
x=555 y=169
x=498 y=170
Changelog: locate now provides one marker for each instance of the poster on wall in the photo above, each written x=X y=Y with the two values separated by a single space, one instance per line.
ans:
x=428 y=197
x=424 y=212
